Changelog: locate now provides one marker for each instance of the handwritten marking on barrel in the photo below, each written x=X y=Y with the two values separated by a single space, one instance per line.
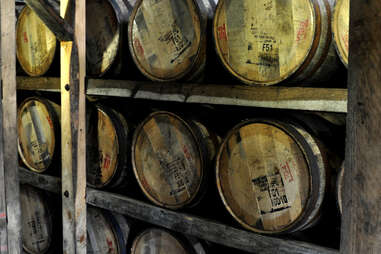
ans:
x=346 y=41
x=287 y=172
x=302 y=31
x=3 y=215
x=25 y=37
x=222 y=32
x=139 y=47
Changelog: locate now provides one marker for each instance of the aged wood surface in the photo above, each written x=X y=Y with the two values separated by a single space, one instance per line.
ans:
x=265 y=42
x=301 y=98
x=361 y=230
x=37 y=221
x=340 y=29
x=36 y=44
x=167 y=38
x=73 y=129
x=198 y=227
x=46 y=84
x=44 y=182
x=10 y=217
x=48 y=14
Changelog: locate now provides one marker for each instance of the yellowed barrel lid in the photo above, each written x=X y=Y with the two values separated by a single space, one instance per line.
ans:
x=36 y=134
x=264 y=42
x=167 y=160
x=36 y=44
x=36 y=221
x=101 y=169
x=156 y=241
x=263 y=177
x=165 y=37
x=103 y=36
x=340 y=26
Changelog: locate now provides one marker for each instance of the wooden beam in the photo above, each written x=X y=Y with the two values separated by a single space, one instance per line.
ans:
x=299 y=98
x=198 y=227
x=41 y=181
x=49 y=15
x=73 y=130
x=45 y=84
x=9 y=189
x=361 y=227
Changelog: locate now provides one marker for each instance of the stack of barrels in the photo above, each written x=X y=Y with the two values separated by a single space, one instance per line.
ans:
x=259 y=42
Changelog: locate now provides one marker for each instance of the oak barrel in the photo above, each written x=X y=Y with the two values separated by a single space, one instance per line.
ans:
x=106 y=36
x=108 y=147
x=167 y=38
x=36 y=221
x=38 y=126
x=339 y=188
x=265 y=42
x=35 y=43
x=171 y=157
x=159 y=241
x=340 y=29
x=104 y=236
x=272 y=176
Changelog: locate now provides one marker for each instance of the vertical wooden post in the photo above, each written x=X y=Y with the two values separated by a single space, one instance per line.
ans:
x=73 y=68
x=10 y=213
x=361 y=223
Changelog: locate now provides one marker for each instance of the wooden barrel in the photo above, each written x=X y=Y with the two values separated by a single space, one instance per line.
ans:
x=106 y=30
x=170 y=157
x=265 y=42
x=340 y=29
x=339 y=188
x=159 y=241
x=272 y=176
x=104 y=234
x=36 y=221
x=35 y=43
x=167 y=38
x=108 y=147
x=38 y=133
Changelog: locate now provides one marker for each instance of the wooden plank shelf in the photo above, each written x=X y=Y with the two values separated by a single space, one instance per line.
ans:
x=298 y=98
x=45 y=182
x=44 y=84
x=199 y=227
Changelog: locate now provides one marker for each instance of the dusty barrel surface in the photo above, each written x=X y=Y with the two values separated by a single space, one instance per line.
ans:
x=104 y=234
x=170 y=158
x=37 y=222
x=167 y=38
x=265 y=42
x=38 y=124
x=108 y=147
x=160 y=241
x=35 y=43
x=272 y=176
x=340 y=28
x=106 y=40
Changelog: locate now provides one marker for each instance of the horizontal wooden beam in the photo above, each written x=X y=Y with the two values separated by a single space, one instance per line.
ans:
x=45 y=84
x=45 y=182
x=298 y=98
x=198 y=227
x=52 y=19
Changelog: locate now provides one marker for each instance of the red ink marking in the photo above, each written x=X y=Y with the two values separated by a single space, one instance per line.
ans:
x=222 y=32
x=139 y=47
x=346 y=41
x=50 y=122
x=106 y=161
x=287 y=172
x=186 y=152
x=302 y=31
x=3 y=248
x=3 y=215
x=110 y=246
x=25 y=37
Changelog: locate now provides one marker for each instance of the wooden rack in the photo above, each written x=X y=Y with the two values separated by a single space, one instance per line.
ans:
x=363 y=170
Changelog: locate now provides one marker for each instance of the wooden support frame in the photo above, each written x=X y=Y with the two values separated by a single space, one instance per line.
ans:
x=10 y=212
x=73 y=129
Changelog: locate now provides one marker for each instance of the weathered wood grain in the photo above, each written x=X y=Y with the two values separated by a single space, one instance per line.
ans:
x=198 y=227
x=361 y=228
x=46 y=84
x=44 y=182
x=300 y=98
x=48 y=14
x=10 y=192
x=73 y=130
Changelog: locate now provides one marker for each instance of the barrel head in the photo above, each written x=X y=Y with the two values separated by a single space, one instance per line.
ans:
x=340 y=27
